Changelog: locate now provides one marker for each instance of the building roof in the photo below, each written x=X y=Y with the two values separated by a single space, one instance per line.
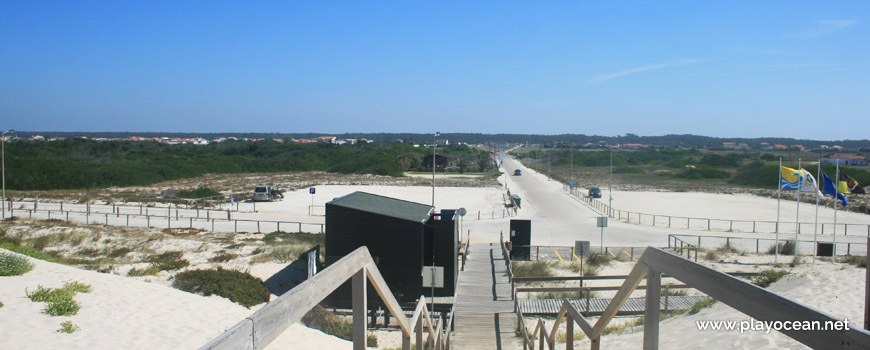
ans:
x=396 y=208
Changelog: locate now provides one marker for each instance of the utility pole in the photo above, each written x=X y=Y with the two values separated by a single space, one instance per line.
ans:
x=610 y=186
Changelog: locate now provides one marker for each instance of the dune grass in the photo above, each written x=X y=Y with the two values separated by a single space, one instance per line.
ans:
x=59 y=301
x=13 y=265
x=240 y=287
x=329 y=323
x=767 y=277
x=68 y=327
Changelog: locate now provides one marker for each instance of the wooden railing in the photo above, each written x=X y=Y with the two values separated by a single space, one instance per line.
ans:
x=719 y=224
x=149 y=216
x=263 y=326
x=754 y=301
x=680 y=242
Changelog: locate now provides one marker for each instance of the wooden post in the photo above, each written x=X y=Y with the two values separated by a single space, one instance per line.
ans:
x=418 y=332
x=595 y=343
x=651 y=314
x=359 y=310
x=867 y=290
x=128 y=220
x=569 y=332
x=258 y=226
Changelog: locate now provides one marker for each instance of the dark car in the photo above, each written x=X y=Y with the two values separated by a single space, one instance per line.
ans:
x=518 y=172
x=595 y=192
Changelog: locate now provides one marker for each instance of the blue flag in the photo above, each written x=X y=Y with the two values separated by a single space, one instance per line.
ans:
x=831 y=190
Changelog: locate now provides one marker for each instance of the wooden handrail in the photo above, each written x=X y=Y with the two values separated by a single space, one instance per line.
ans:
x=263 y=326
x=754 y=301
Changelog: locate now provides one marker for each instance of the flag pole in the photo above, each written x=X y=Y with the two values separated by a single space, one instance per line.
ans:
x=778 y=199
x=836 y=191
x=797 y=221
x=816 y=225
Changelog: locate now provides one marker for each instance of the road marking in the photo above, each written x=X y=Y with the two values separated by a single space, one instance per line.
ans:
x=559 y=255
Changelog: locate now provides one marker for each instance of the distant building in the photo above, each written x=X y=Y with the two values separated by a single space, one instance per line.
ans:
x=326 y=139
x=780 y=147
x=442 y=142
x=845 y=159
x=635 y=146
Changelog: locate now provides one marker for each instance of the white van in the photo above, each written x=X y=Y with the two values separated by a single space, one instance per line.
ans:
x=262 y=193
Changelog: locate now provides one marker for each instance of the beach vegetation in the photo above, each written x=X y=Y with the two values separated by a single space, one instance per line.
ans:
x=68 y=327
x=81 y=164
x=148 y=271
x=767 y=277
x=329 y=323
x=597 y=259
x=59 y=301
x=200 y=192
x=785 y=248
x=168 y=261
x=223 y=256
x=700 y=305
x=240 y=287
x=859 y=261
x=536 y=268
x=14 y=265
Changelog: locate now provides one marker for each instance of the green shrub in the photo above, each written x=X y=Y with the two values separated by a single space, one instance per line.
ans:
x=13 y=265
x=327 y=322
x=168 y=261
x=119 y=252
x=201 y=192
x=223 y=257
x=786 y=248
x=62 y=307
x=148 y=271
x=68 y=327
x=60 y=300
x=1 y=304
x=627 y=170
x=29 y=251
x=537 y=268
x=598 y=259
x=859 y=261
x=77 y=287
x=285 y=254
x=240 y=287
x=703 y=304
x=767 y=277
x=702 y=173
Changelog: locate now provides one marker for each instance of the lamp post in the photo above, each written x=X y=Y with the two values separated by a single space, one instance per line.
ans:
x=610 y=186
x=434 y=146
x=3 y=166
x=571 y=185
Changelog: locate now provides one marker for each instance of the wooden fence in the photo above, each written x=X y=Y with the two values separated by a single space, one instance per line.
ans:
x=724 y=225
x=162 y=217
x=754 y=301
x=263 y=326
x=693 y=243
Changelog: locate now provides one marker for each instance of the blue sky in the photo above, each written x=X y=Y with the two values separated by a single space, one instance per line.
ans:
x=725 y=68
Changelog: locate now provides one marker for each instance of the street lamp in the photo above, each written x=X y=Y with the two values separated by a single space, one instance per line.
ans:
x=610 y=186
x=571 y=185
x=434 y=146
x=3 y=166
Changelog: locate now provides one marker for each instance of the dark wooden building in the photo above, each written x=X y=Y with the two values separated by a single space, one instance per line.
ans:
x=400 y=236
x=441 y=161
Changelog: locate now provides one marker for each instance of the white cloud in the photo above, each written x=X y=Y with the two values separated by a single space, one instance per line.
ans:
x=634 y=70
x=823 y=28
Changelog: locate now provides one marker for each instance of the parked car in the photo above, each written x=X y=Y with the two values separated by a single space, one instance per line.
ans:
x=595 y=192
x=518 y=172
x=263 y=193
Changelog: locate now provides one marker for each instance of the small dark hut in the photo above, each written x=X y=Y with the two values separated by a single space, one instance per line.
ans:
x=400 y=236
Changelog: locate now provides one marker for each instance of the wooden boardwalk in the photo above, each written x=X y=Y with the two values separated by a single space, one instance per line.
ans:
x=484 y=309
x=596 y=306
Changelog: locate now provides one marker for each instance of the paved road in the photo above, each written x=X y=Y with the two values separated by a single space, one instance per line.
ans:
x=560 y=219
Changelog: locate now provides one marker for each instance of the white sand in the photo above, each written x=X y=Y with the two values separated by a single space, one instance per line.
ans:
x=126 y=313
x=834 y=289
x=129 y=313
